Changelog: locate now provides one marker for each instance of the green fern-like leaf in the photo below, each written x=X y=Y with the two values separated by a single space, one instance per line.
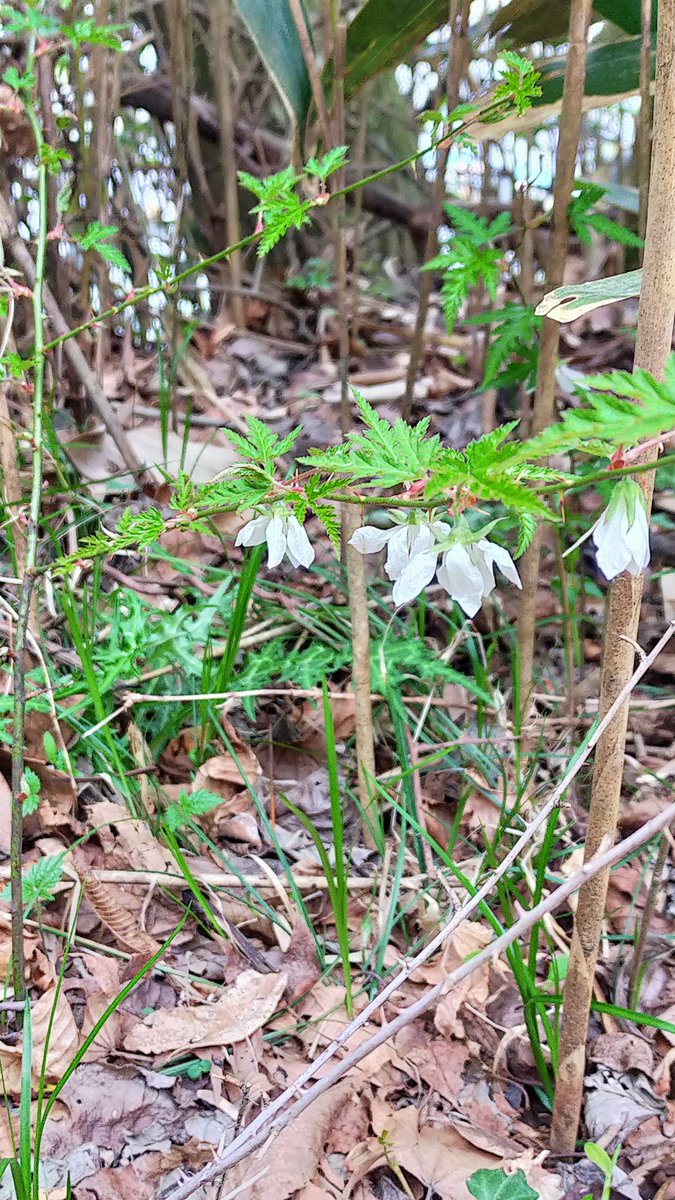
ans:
x=618 y=409
x=188 y=806
x=39 y=882
x=330 y=521
x=527 y=527
x=134 y=531
x=384 y=455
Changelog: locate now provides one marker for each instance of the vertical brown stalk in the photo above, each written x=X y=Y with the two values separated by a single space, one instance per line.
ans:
x=458 y=17
x=223 y=78
x=543 y=407
x=654 y=342
x=312 y=69
x=354 y=562
x=645 y=122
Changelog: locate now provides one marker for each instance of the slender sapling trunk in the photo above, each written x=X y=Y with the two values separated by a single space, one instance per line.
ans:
x=654 y=342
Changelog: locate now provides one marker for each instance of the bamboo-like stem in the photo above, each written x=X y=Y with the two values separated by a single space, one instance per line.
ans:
x=30 y=562
x=354 y=562
x=312 y=69
x=654 y=340
x=543 y=407
x=458 y=17
x=223 y=75
x=645 y=121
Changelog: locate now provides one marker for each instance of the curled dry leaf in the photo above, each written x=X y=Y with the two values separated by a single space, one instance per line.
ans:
x=243 y=1008
x=236 y=817
x=118 y=919
x=115 y=1183
x=622 y=1052
x=620 y=1102
x=440 y=1062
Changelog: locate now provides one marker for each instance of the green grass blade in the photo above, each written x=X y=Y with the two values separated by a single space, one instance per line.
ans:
x=25 y=1100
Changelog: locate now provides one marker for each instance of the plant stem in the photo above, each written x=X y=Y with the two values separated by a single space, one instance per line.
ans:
x=222 y=61
x=645 y=922
x=654 y=338
x=458 y=16
x=30 y=565
x=544 y=399
x=644 y=130
x=355 y=566
x=312 y=70
x=139 y=296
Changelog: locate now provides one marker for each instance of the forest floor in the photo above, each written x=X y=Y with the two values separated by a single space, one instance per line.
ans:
x=165 y=811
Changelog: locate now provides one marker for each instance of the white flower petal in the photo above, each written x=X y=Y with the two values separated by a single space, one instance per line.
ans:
x=440 y=530
x=638 y=539
x=501 y=557
x=417 y=575
x=461 y=579
x=620 y=546
x=479 y=553
x=298 y=546
x=276 y=541
x=254 y=533
x=398 y=552
x=368 y=539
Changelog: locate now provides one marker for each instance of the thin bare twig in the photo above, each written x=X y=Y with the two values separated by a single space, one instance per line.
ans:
x=282 y=1111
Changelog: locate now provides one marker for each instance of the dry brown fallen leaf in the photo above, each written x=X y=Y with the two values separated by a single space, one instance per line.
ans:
x=128 y=843
x=236 y=818
x=289 y=1161
x=115 y=1183
x=63 y=1042
x=438 y=1156
x=243 y=1008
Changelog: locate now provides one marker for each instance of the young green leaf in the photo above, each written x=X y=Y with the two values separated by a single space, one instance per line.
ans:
x=31 y=788
x=188 y=806
x=497 y=1185
x=330 y=162
x=39 y=881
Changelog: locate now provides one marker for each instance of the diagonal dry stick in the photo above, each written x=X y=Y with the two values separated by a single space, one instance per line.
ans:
x=281 y=1111
x=266 y=1125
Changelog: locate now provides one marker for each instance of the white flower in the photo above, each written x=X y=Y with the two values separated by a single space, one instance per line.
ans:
x=621 y=535
x=467 y=572
x=412 y=553
x=284 y=536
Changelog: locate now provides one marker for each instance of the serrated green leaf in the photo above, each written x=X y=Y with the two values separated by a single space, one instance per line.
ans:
x=39 y=881
x=331 y=523
x=618 y=409
x=190 y=805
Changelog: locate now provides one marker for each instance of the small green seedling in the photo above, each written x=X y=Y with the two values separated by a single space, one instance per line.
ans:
x=601 y=1158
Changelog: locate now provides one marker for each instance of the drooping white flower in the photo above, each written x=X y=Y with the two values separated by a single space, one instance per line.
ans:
x=413 y=550
x=467 y=572
x=284 y=536
x=621 y=535
x=412 y=553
